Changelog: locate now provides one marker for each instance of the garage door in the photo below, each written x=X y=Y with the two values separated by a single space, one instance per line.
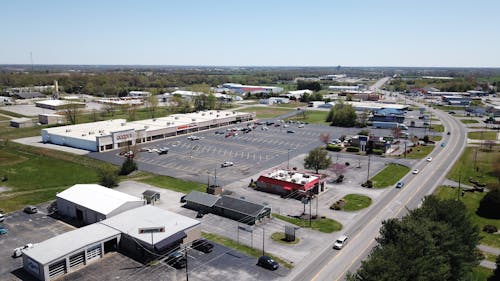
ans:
x=76 y=260
x=57 y=269
x=94 y=252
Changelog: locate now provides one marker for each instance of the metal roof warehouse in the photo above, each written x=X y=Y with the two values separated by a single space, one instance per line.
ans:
x=117 y=133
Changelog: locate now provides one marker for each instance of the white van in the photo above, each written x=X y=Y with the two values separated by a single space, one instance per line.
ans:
x=340 y=242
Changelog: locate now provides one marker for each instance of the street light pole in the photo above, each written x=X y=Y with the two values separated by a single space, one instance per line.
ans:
x=288 y=160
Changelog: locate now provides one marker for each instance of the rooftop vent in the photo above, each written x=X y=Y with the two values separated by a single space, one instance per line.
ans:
x=123 y=124
x=192 y=119
x=68 y=130
x=176 y=117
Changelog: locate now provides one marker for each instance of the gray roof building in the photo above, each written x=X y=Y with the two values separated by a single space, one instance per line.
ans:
x=202 y=198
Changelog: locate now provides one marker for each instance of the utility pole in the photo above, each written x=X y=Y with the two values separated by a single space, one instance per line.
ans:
x=310 y=212
x=288 y=160
x=405 y=148
x=215 y=176
x=263 y=235
x=368 y=174
x=186 y=256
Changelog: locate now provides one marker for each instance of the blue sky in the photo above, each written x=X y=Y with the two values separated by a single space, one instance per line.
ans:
x=263 y=33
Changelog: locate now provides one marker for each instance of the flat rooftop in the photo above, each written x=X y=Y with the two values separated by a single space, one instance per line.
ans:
x=291 y=176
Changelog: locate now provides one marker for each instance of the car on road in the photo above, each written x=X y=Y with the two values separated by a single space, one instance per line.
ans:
x=443 y=144
x=267 y=263
x=340 y=242
x=177 y=260
x=192 y=138
x=451 y=112
x=429 y=159
x=400 y=184
x=290 y=131
x=19 y=250
x=416 y=171
x=2 y=217
x=226 y=164
x=3 y=230
x=264 y=128
x=30 y=210
x=202 y=245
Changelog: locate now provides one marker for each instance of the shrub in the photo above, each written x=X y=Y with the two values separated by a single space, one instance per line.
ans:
x=490 y=228
x=489 y=207
x=109 y=178
x=352 y=149
x=364 y=133
x=128 y=166
x=332 y=147
x=377 y=151
x=369 y=184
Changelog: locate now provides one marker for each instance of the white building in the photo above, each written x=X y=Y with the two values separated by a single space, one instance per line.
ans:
x=90 y=203
x=344 y=88
x=131 y=232
x=139 y=94
x=297 y=94
x=274 y=100
x=242 y=89
x=117 y=133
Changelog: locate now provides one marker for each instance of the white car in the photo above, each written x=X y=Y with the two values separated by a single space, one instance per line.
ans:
x=429 y=159
x=301 y=126
x=19 y=250
x=226 y=164
x=2 y=217
x=340 y=242
x=193 y=138
x=415 y=171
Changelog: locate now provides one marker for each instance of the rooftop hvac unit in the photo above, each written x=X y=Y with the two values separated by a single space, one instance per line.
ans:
x=203 y=114
x=176 y=117
x=83 y=135
x=91 y=133
x=146 y=127
x=192 y=119
x=154 y=119
x=211 y=112
x=217 y=115
x=123 y=124
x=68 y=130
x=303 y=182
x=306 y=176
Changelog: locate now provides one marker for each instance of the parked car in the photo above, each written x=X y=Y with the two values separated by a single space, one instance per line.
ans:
x=429 y=159
x=269 y=123
x=416 y=171
x=30 y=210
x=219 y=132
x=400 y=184
x=163 y=150
x=193 y=138
x=2 y=217
x=183 y=199
x=129 y=154
x=202 y=245
x=3 y=230
x=177 y=260
x=267 y=262
x=290 y=131
x=301 y=126
x=340 y=242
x=19 y=250
x=226 y=164
x=264 y=128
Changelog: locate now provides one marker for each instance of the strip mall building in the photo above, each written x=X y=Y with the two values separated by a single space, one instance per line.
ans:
x=117 y=133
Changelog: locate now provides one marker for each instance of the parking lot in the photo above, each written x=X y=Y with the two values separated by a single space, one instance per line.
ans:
x=23 y=229
x=252 y=152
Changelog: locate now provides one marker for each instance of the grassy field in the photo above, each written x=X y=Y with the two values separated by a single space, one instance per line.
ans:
x=420 y=152
x=280 y=238
x=436 y=138
x=448 y=107
x=354 y=202
x=242 y=248
x=471 y=201
x=267 y=111
x=390 y=175
x=479 y=273
x=35 y=175
x=312 y=116
x=292 y=105
x=484 y=135
x=174 y=184
x=4 y=118
x=437 y=128
x=323 y=225
x=464 y=167
x=13 y=114
x=469 y=121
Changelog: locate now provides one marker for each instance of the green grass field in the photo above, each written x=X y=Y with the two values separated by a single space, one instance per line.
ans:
x=484 y=135
x=254 y=252
x=13 y=114
x=479 y=273
x=4 y=118
x=291 y=105
x=389 y=176
x=355 y=202
x=419 y=152
x=267 y=111
x=323 y=225
x=312 y=116
x=437 y=128
x=35 y=175
x=464 y=167
x=174 y=184
x=471 y=201
x=469 y=121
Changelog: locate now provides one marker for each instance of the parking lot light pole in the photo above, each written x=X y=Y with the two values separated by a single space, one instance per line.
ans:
x=288 y=160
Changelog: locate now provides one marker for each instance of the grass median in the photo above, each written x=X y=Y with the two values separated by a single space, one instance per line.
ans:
x=475 y=163
x=355 y=202
x=482 y=135
x=323 y=224
x=312 y=117
x=419 y=152
x=390 y=175
x=264 y=112
x=174 y=183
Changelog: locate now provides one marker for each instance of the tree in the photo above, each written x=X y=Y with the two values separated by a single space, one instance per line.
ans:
x=128 y=166
x=317 y=159
x=338 y=169
x=308 y=85
x=396 y=132
x=152 y=105
x=325 y=138
x=489 y=206
x=344 y=115
x=71 y=112
x=435 y=242
x=211 y=101
x=108 y=177
x=363 y=119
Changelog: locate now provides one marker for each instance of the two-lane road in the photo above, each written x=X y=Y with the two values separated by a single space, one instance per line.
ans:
x=333 y=265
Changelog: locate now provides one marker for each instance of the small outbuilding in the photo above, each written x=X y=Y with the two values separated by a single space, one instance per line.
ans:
x=241 y=210
x=151 y=196
x=22 y=122
x=90 y=203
